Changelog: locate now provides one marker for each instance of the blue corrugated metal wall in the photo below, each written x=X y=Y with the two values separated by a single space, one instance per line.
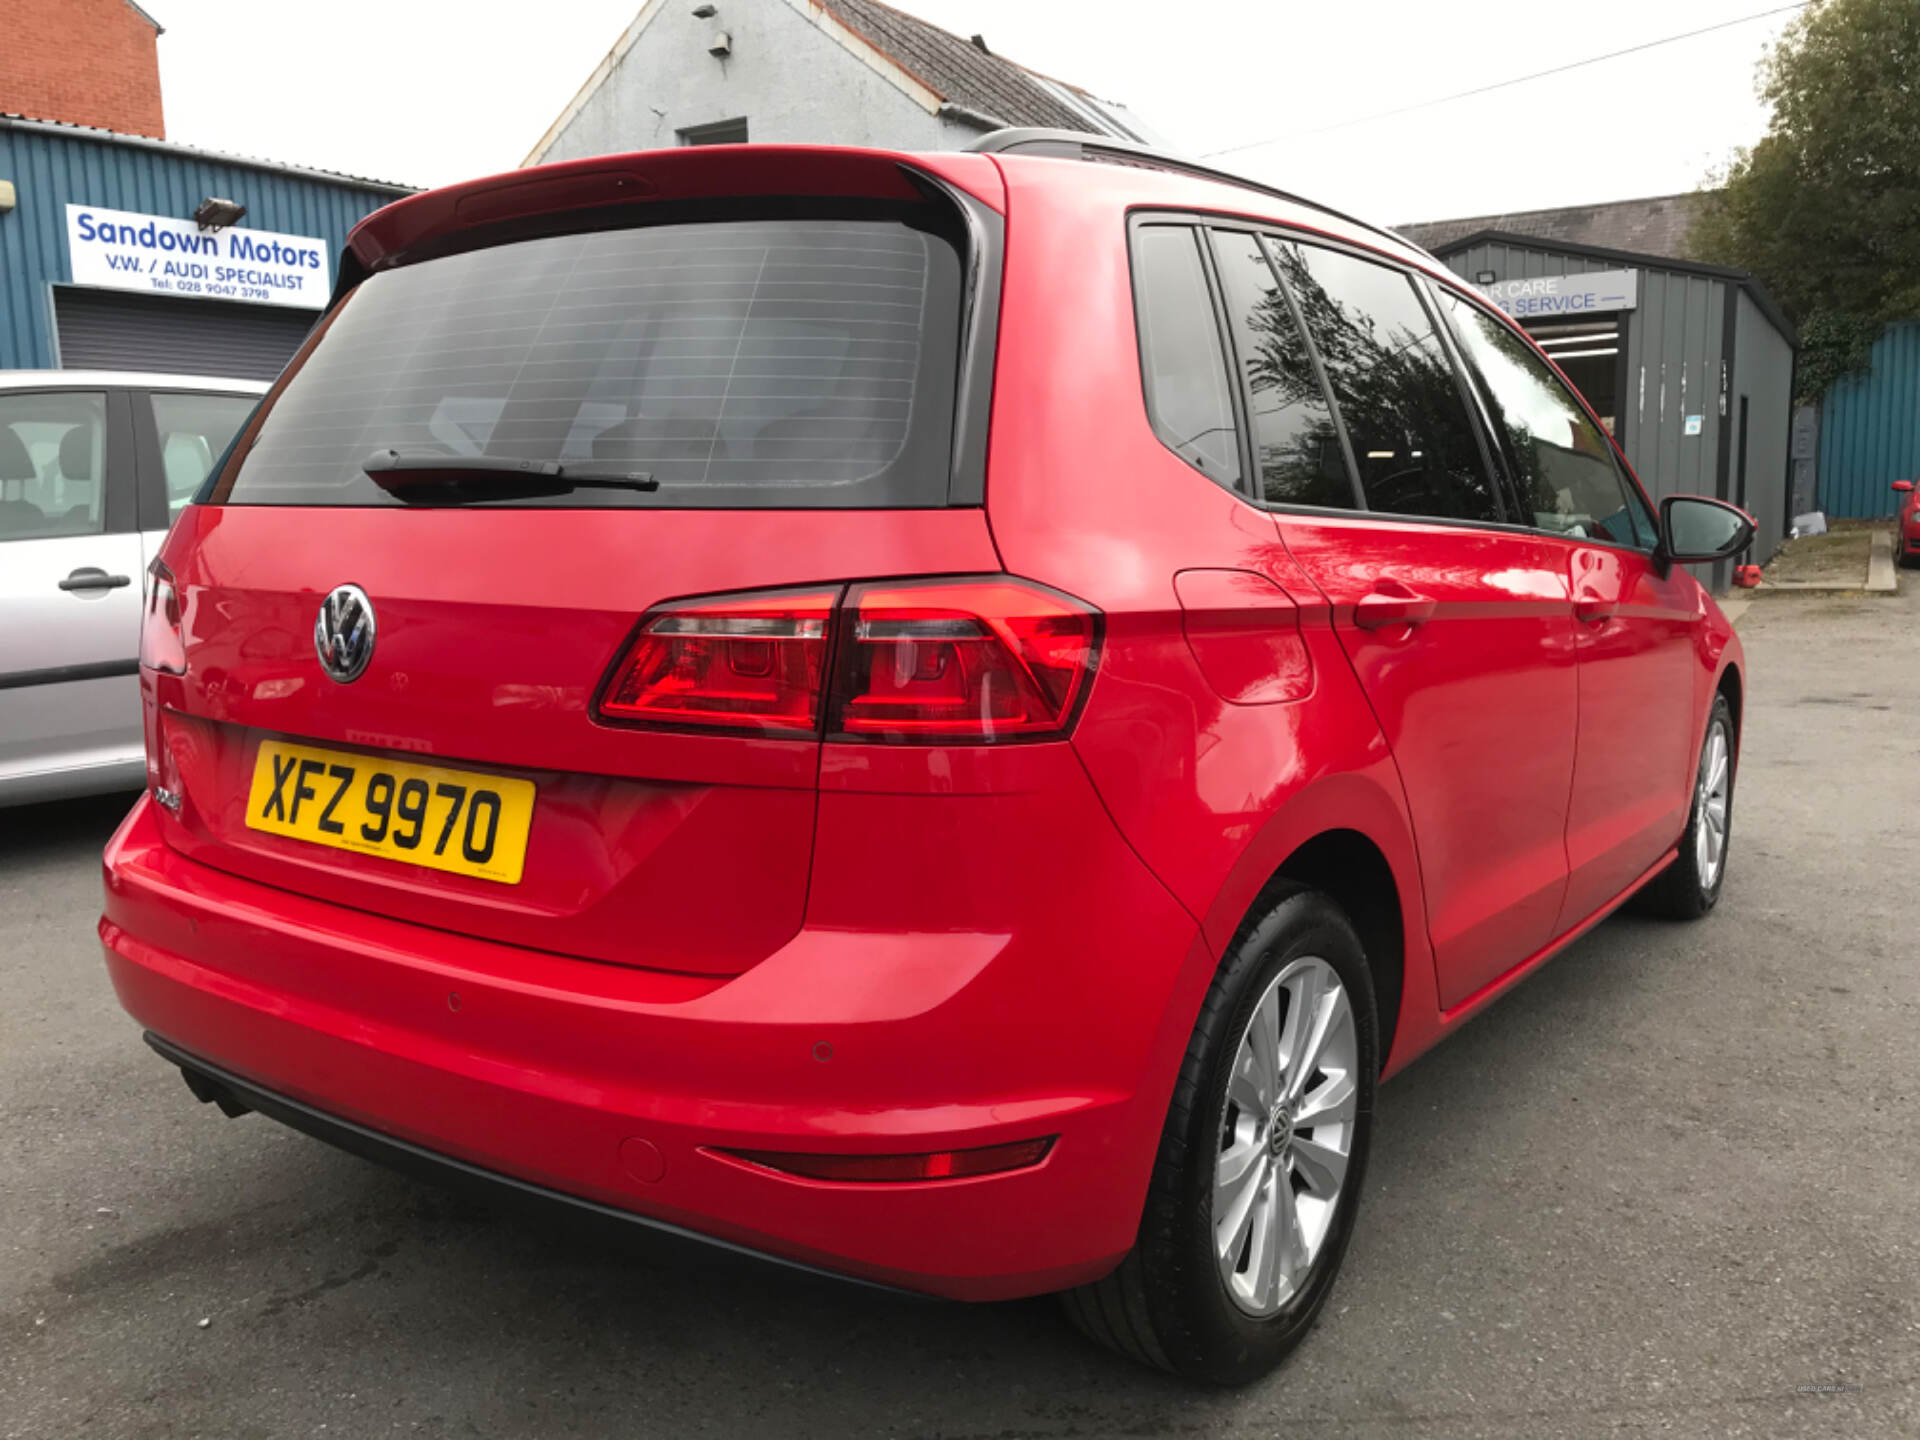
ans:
x=52 y=169
x=1870 y=429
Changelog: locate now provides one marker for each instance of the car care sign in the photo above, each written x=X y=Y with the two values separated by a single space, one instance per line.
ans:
x=164 y=256
x=1566 y=295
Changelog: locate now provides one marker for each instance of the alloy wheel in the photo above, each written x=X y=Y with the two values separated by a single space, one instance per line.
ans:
x=1714 y=792
x=1286 y=1136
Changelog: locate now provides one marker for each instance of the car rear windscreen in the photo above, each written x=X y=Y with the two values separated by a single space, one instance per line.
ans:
x=740 y=363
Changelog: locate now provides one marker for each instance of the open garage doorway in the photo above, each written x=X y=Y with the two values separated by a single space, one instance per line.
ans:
x=1593 y=353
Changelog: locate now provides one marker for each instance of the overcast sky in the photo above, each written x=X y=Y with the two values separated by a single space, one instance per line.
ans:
x=430 y=91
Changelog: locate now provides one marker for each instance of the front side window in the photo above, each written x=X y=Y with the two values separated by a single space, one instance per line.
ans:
x=1562 y=465
x=195 y=431
x=1398 y=394
x=1296 y=444
x=52 y=464
x=1181 y=359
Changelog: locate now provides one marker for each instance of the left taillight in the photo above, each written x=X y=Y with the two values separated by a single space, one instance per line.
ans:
x=751 y=663
x=162 y=646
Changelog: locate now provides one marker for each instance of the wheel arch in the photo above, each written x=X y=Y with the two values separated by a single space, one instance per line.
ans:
x=1352 y=871
x=1732 y=685
x=1347 y=836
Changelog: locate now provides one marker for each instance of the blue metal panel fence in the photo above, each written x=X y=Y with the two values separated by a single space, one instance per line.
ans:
x=52 y=169
x=1870 y=429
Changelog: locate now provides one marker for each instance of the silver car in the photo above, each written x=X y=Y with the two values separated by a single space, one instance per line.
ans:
x=93 y=468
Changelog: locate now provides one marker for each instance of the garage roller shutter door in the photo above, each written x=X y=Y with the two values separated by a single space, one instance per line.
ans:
x=103 y=330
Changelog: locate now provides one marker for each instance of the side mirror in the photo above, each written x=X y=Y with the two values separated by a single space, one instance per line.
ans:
x=1694 y=529
x=1903 y=486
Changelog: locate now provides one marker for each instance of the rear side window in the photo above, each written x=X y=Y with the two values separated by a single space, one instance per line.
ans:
x=1181 y=359
x=1412 y=435
x=760 y=363
x=1562 y=465
x=1296 y=446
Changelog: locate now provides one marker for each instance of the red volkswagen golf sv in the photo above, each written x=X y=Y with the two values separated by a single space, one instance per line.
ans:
x=944 y=717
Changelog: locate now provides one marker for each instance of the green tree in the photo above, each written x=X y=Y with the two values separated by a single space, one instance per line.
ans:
x=1826 y=208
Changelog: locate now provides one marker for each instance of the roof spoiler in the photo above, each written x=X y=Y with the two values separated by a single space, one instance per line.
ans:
x=424 y=224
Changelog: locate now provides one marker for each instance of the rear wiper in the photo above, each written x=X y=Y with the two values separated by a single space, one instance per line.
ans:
x=469 y=479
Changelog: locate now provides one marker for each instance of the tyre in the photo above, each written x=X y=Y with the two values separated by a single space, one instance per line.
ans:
x=1690 y=886
x=1258 y=1175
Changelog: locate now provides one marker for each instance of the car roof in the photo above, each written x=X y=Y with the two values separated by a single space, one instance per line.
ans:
x=421 y=225
x=1176 y=187
x=128 y=380
x=1135 y=177
x=1072 y=145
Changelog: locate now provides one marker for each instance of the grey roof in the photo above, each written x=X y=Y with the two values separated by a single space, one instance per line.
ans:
x=1657 y=225
x=994 y=88
x=10 y=120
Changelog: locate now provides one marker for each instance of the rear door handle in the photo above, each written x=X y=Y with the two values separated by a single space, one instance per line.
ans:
x=1396 y=606
x=89 y=578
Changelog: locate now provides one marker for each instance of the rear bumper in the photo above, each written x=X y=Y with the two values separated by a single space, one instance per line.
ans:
x=620 y=1087
x=427 y=1164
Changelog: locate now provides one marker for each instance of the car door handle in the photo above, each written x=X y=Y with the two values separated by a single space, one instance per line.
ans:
x=88 y=578
x=1591 y=610
x=1396 y=606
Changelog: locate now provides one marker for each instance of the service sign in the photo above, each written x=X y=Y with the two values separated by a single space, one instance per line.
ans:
x=164 y=256
x=1566 y=296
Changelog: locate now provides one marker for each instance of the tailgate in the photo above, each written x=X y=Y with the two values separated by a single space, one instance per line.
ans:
x=512 y=440
x=673 y=851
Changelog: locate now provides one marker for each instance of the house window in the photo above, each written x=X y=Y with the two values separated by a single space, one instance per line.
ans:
x=723 y=132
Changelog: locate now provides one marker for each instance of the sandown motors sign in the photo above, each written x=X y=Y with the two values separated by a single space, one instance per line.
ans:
x=164 y=256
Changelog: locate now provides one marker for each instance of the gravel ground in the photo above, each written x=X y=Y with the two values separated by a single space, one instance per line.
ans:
x=1670 y=1185
x=1838 y=557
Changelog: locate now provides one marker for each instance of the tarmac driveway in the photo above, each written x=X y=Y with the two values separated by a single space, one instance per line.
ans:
x=1673 y=1184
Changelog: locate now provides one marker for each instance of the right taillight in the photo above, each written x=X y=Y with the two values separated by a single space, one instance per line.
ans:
x=162 y=647
x=933 y=662
x=960 y=662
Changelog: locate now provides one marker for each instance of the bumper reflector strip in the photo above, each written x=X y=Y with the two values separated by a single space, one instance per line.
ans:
x=938 y=1165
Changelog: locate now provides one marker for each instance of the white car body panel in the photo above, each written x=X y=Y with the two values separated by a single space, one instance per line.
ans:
x=69 y=685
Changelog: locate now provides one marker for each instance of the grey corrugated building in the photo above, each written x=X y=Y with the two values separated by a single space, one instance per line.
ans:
x=1690 y=364
x=103 y=264
x=843 y=72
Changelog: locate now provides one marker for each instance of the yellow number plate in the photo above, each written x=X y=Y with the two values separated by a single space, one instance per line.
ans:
x=453 y=820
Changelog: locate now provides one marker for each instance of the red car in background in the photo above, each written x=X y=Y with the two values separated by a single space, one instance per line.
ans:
x=941 y=717
x=1906 y=522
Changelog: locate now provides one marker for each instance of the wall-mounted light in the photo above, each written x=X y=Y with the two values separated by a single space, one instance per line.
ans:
x=7 y=198
x=1484 y=277
x=721 y=44
x=215 y=213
